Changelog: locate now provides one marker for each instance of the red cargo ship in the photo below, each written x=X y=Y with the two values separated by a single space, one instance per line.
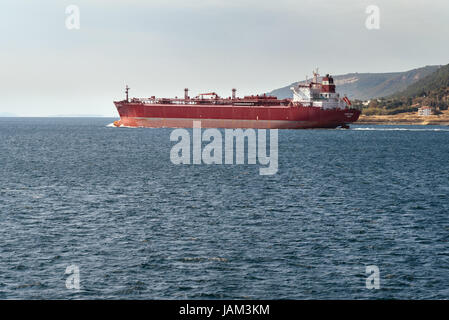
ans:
x=315 y=104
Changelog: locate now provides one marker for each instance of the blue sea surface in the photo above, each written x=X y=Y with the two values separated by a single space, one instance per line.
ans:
x=75 y=191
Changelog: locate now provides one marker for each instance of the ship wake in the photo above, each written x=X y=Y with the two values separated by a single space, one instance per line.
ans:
x=402 y=129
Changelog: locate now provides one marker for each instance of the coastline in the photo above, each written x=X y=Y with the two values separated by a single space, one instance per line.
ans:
x=408 y=118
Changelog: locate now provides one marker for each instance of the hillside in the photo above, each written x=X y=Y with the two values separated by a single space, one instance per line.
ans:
x=435 y=84
x=432 y=91
x=364 y=86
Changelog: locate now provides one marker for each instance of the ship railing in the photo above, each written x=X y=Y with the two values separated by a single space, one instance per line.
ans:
x=221 y=101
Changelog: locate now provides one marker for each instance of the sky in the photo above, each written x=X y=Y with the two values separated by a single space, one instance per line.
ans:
x=160 y=47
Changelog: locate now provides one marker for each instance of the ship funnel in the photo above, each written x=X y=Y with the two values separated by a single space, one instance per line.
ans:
x=233 y=93
x=186 y=93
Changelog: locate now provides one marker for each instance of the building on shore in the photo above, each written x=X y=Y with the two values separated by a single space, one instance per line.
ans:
x=425 y=111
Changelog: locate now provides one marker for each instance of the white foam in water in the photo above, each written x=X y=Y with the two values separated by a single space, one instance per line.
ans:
x=398 y=129
x=112 y=125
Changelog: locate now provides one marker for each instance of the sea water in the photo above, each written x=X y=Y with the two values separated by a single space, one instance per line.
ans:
x=75 y=192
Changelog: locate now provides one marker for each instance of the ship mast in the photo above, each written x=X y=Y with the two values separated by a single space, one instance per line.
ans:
x=126 y=91
x=315 y=75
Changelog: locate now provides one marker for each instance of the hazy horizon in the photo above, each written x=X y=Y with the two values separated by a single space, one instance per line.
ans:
x=160 y=47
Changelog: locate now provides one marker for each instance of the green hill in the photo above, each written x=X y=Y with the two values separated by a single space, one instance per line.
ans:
x=435 y=84
x=364 y=86
x=432 y=90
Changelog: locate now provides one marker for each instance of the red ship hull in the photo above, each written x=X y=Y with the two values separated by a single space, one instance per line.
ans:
x=136 y=114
